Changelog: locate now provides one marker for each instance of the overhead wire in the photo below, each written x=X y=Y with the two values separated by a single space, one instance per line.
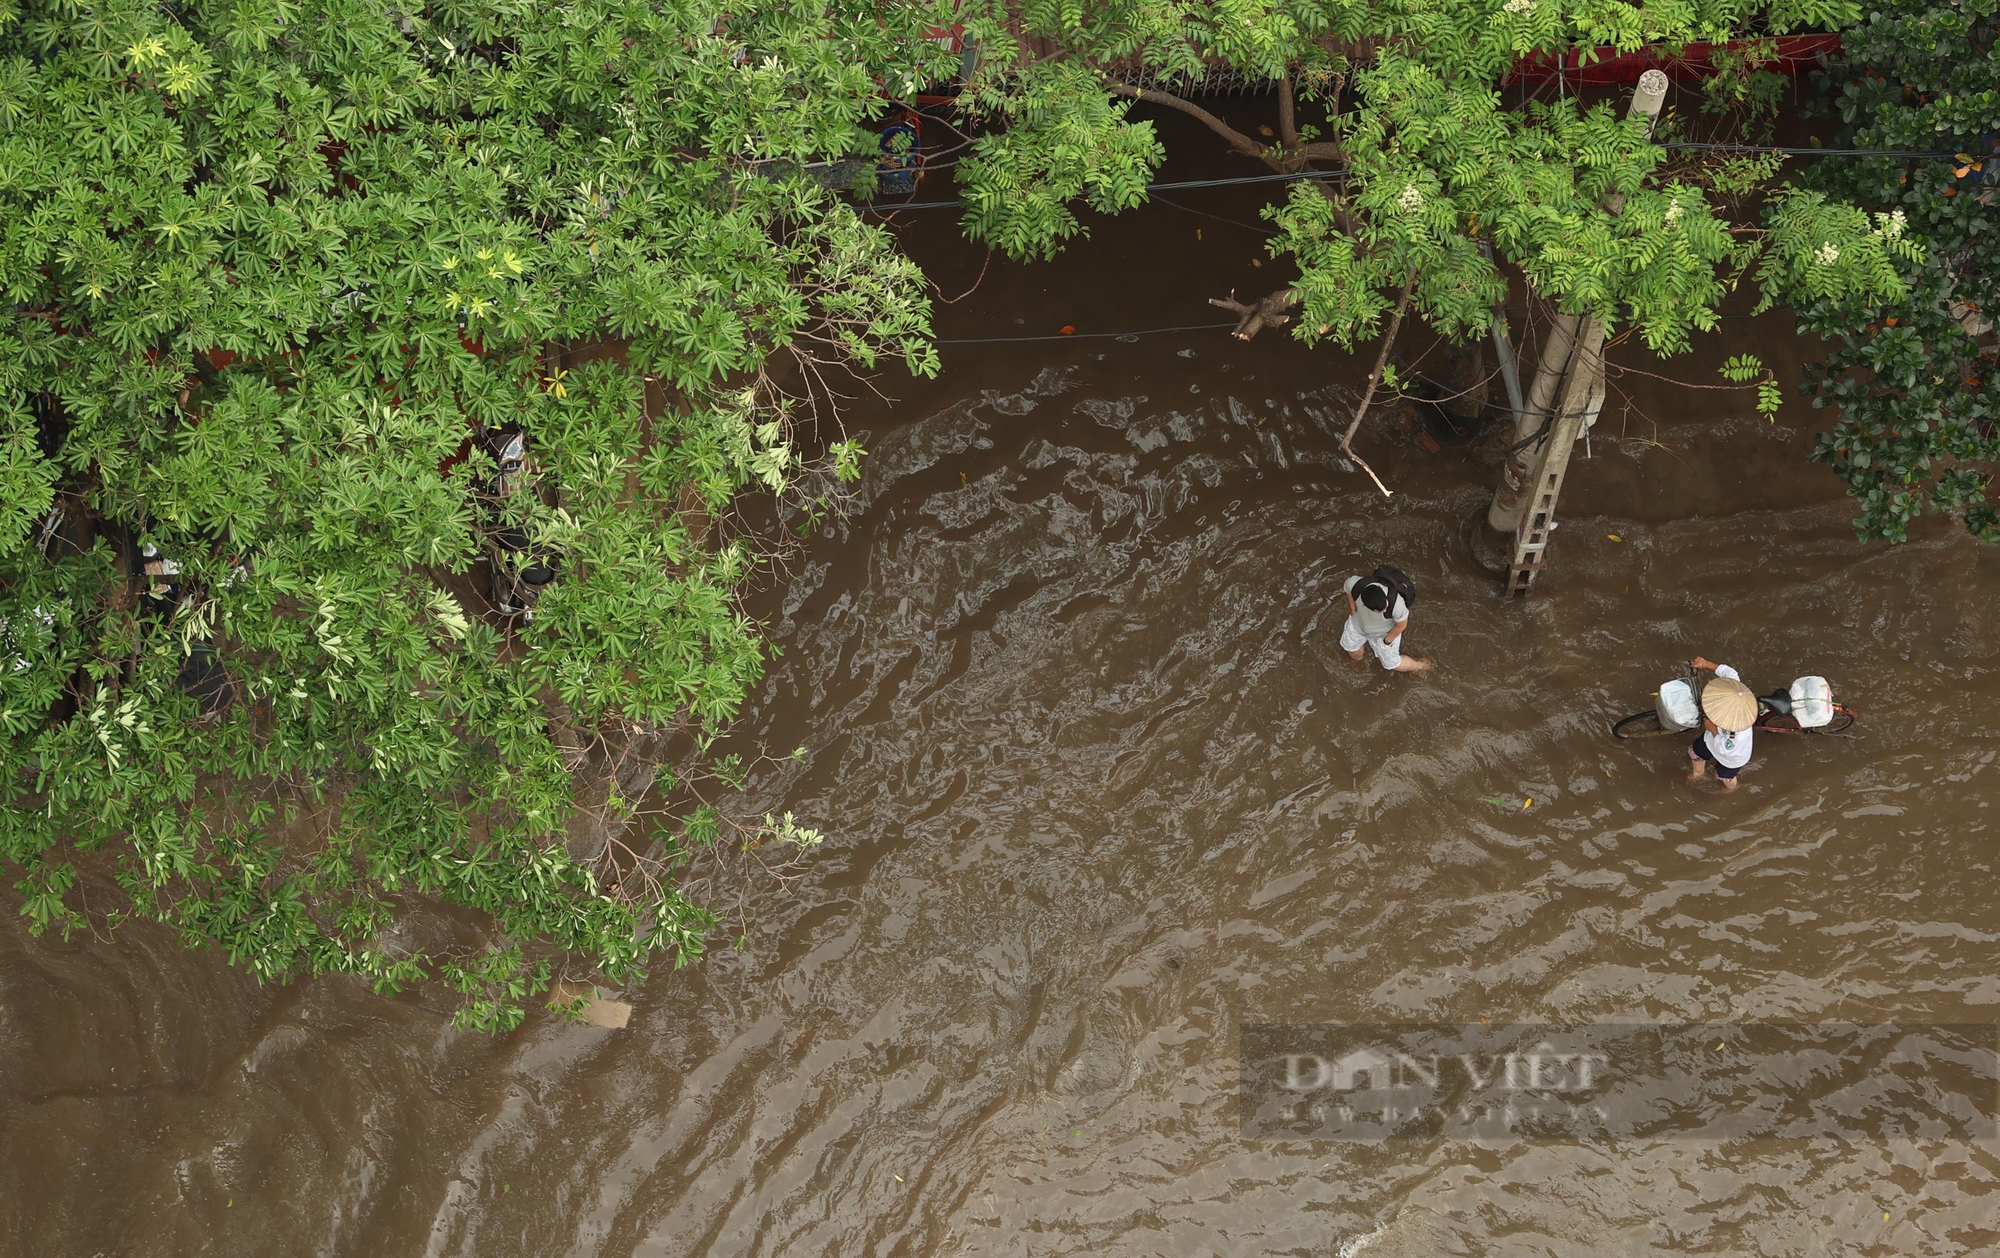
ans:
x=1170 y=203
x=1292 y=176
x=1135 y=333
x=1793 y=150
x=1082 y=336
x=878 y=208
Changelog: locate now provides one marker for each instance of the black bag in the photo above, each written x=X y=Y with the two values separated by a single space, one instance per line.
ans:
x=1400 y=586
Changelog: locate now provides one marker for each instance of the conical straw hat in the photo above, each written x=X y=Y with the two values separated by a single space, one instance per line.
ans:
x=1729 y=703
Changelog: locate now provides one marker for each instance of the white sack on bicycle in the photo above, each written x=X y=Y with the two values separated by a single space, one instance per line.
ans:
x=1812 y=702
x=1677 y=706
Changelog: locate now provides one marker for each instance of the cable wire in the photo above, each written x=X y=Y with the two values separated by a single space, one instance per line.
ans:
x=1172 y=204
x=1788 y=150
x=1796 y=151
x=873 y=208
x=1081 y=336
x=1134 y=333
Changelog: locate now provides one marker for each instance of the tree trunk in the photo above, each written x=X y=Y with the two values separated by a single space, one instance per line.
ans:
x=1461 y=380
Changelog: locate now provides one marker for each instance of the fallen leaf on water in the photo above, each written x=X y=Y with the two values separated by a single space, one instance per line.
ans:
x=1265 y=131
x=1068 y=329
x=1614 y=537
x=1529 y=800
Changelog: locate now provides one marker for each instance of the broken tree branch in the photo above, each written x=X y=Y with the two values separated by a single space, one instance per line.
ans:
x=1287 y=157
x=1374 y=379
x=1254 y=318
x=1237 y=140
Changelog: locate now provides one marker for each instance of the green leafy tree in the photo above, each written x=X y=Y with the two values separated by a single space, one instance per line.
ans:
x=1914 y=378
x=1442 y=187
x=281 y=274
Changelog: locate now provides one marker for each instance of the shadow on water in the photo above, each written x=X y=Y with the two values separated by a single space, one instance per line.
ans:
x=1101 y=789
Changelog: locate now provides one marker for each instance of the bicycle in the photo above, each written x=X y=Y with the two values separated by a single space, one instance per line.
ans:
x=1774 y=716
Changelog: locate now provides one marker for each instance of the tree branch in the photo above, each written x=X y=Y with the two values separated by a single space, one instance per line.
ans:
x=1295 y=155
x=1288 y=125
x=1268 y=313
x=1237 y=140
x=1375 y=378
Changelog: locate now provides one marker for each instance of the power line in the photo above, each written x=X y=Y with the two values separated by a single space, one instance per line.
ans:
x=1151 y=187
x=1172 y=204
x=1135 y=333
x=1082 y=336
x=1795 y=151
x=1787 y=150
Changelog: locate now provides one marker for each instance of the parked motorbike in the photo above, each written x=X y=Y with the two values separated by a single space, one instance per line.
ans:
x=162 y=591
x=522 y=568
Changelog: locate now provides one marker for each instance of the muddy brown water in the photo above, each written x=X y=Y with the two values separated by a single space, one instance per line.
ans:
x=1100 y=790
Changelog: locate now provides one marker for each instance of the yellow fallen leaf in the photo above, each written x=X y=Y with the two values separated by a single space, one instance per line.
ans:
x=1614 y=537
x=1527 y=801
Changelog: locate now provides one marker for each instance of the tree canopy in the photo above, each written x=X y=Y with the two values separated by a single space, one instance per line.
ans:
x=1442 y=183
x=1918 y=428
x=277 y=270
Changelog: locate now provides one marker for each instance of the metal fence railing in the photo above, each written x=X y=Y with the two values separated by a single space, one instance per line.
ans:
x=1215 y=81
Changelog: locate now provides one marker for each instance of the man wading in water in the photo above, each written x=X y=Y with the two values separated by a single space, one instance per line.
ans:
x=1728 y=710
x=1378 y=610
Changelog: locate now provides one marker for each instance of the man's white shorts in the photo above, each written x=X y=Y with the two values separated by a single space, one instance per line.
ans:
x=1351 y=638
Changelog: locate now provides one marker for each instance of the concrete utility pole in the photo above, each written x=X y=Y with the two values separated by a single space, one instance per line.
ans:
x=1567 y=393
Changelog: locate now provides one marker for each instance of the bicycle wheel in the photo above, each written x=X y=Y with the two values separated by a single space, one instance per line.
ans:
x=1642 y=725
x=1842 y=720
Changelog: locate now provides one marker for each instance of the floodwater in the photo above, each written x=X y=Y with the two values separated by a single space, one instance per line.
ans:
x=1100 y=790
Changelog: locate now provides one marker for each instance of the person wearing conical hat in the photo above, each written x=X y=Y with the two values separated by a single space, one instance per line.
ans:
x=1728 y=710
